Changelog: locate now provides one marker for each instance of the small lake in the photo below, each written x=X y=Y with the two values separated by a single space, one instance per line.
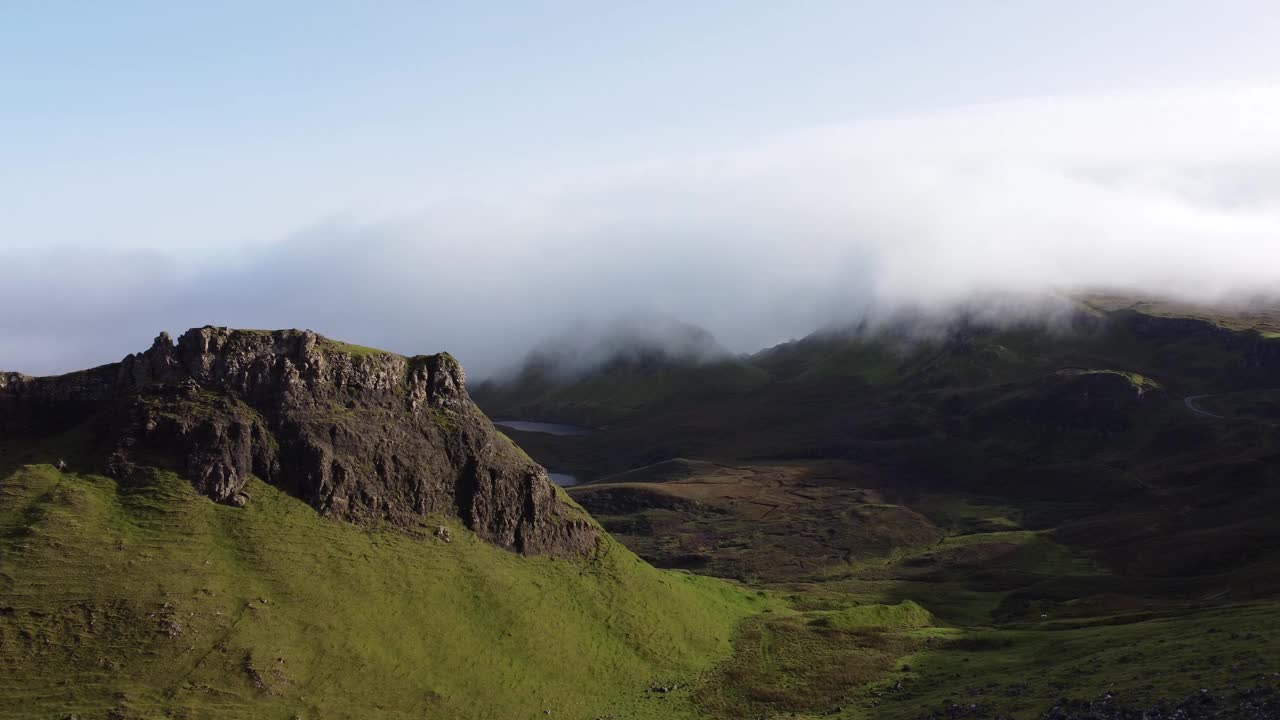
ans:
x=563 y=479
x=541 y=427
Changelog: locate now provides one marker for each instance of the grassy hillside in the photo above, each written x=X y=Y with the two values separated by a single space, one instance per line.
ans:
x=146 y=600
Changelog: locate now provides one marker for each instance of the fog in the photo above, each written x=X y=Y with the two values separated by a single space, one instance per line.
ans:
x=632 y=338
x=1173 y=193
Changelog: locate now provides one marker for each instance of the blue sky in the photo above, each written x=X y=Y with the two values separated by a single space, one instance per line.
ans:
x=170 y=142
x=284 y=113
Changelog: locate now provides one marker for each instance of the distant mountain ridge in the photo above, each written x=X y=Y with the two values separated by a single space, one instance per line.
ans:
x=630 y=376
x=1103 y=407
x=603 y=374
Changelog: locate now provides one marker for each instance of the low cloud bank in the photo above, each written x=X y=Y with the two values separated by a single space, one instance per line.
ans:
x=1175 y=194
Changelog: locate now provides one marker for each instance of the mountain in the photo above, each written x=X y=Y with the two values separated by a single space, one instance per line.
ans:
x=250 y=524
x=995 y=518
x=1081 y=508
x=603 y=375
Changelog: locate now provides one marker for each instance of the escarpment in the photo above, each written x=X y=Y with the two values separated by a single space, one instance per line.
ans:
x=362 y=435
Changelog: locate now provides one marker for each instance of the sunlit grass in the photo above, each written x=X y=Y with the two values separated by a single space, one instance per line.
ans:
x=147 y=597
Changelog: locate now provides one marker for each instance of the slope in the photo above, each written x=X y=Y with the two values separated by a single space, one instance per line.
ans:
x=255 y=524
x=143 y=599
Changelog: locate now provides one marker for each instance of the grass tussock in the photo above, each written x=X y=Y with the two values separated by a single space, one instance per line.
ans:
x=809 y=663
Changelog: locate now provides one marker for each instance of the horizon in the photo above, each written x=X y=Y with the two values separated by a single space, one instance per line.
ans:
x=586 y=346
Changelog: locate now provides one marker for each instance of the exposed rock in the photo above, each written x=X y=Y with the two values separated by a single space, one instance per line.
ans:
x=362 y=435
x=1257 y=355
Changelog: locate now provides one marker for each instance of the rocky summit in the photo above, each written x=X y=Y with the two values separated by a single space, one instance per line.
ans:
x=362 y=435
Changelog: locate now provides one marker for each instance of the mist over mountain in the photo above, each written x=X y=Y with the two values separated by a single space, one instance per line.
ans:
x=1146 y=192
x=634 y=339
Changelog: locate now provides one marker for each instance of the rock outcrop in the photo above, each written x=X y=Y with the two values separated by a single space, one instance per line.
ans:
x=362 y=435
x=1246 y=355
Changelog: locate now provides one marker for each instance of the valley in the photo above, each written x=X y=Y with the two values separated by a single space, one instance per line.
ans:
x=981 y=525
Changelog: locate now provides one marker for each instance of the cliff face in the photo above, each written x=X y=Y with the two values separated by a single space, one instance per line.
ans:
x=1255 y=355
x=362 y=435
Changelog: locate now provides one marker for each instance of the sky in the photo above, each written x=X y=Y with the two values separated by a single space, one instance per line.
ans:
x=476 y=177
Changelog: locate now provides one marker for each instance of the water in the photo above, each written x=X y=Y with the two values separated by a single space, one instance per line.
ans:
x=541 y=427
x=563 y=479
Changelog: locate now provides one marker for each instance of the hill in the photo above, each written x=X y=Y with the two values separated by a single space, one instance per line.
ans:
x=603 y=376
x=1083 y=508
x=265 y=525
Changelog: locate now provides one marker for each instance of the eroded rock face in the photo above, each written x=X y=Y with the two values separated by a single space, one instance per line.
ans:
x=362 y=435
x=1256 y=357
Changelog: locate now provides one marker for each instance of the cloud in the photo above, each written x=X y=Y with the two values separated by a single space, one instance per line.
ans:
x=1172 y=193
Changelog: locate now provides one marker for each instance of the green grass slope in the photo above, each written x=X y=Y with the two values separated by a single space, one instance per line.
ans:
x=145 y=600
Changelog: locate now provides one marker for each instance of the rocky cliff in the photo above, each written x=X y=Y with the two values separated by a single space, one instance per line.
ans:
x=1250 y=356
x=362 y=435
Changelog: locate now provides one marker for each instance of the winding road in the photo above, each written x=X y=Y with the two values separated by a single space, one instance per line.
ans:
x=1193 y=407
